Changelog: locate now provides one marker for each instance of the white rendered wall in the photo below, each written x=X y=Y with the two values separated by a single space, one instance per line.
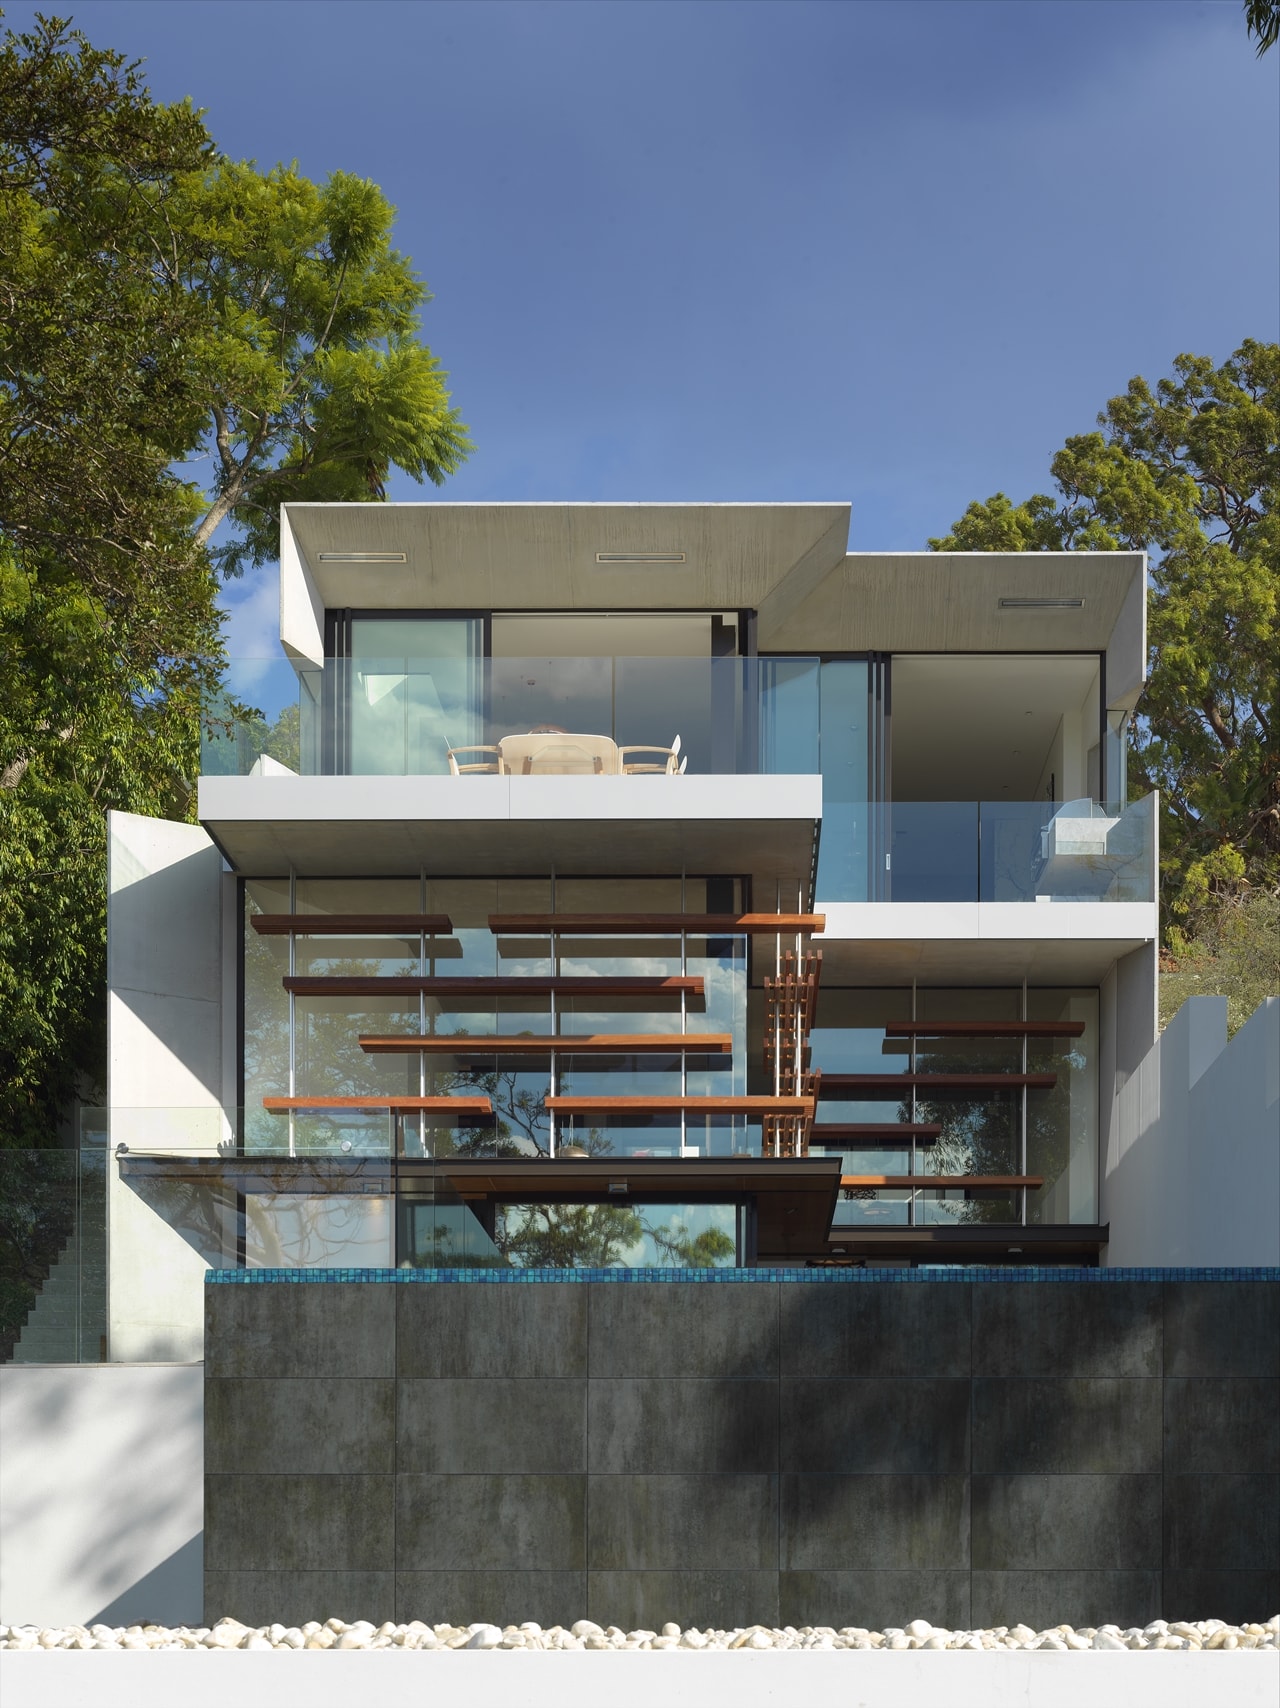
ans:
x=678 y=1678
x=1192 y=1174
x=101 y=1494
x=168 y=1074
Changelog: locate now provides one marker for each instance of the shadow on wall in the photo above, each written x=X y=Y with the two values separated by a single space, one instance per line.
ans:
x=1197 y=1183
x=101 y=1493
x=169 y=1594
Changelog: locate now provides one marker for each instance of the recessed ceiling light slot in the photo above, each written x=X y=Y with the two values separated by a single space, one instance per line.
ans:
x=610 y=558
x=1041 y=604
x=363 y=557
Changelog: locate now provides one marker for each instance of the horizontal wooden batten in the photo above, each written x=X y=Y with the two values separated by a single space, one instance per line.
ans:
x=985 y=1029
x=351 y=924
x=632 y=924
x=563 y=1043
x=397 y=1105
x=825 y=1131
x=943 y=1182
x=837 y=1082
x=483 y=986
x=681 y=1105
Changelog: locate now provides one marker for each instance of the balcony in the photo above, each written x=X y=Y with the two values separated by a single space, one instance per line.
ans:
x=626 y=764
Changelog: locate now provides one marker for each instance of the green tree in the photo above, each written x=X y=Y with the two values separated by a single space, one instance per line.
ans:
x=309 y=363
x=1235 y=953
x=1190 y=472
x=108 y=622
x=163 y=310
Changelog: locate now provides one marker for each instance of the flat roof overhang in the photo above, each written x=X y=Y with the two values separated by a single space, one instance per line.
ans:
x=794 y=1197
x=440 y=555
x=971 y=1244
x=764 y=828
x=912 y=602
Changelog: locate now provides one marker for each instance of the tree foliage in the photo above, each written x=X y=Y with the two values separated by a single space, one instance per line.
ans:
x=1263 y=20
x=1235 y=953
x=164 y=312
x=1190 y=472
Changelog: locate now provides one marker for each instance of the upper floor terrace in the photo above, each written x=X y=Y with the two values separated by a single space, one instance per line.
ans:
x=934 y=727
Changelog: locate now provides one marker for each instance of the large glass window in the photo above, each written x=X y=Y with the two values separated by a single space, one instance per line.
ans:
x=951 y=1115
x=619 y=1236
x=412 y=691
x=814 y=717
x=312 y=998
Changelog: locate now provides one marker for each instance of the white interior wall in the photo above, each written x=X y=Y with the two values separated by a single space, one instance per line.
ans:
x=101 y=1494
x=167 y=1072
x=1051 y=772
x=1192 y=1173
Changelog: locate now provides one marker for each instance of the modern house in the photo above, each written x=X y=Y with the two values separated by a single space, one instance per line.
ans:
x=662 y=893
x=641 y=884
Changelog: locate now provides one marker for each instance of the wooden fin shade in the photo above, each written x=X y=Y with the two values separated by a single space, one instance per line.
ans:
x=679 y=1105
x=985 y=1029
x=351 y=924
x=625 y=924
x=837 y=1082
x=942 y=1182
x=398 y=1105
x=825 y=1132
x=344 y=985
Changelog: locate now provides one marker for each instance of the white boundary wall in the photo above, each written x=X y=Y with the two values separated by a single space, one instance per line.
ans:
x=676 y=1679
x=1192 y=1171
x=101 y=1496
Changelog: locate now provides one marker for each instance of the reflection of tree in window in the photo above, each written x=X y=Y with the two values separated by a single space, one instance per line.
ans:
x=600 y=1236
x=977 y=1137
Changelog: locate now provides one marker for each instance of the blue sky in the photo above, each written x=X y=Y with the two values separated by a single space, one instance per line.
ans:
x=885 y=252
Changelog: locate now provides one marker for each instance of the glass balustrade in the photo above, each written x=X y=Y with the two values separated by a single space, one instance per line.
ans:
x=469 y=718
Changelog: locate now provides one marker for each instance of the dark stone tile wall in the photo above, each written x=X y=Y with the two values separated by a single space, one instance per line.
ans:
x=794 y=1453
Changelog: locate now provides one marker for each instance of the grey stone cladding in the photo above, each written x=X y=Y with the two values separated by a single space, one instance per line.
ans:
x=785 y=1454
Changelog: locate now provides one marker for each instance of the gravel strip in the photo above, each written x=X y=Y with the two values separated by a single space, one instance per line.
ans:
x=361 y=1634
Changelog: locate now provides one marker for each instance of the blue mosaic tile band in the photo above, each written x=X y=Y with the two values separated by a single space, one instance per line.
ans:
x=726 y=1277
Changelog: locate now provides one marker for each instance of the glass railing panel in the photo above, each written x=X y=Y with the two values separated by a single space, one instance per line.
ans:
x=885 y=1158
x=405 y=716
x=53 y=1255
x=872 y=1207
x=629 y=1133
x=1083 y=851
x=1021 y=851
x=933 y=850
x=321 y=1230
x=960 y=1208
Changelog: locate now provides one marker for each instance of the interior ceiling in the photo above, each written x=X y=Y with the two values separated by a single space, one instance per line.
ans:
x=980 y=728
x=958 y=962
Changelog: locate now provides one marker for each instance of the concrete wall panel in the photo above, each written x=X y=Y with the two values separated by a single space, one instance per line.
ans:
x=1191 y=1169
x=167 y=1079
x=100 y=1494
x=1058 y=1470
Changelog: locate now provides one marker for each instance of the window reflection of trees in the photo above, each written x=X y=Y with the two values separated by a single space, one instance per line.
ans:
x=607 y=1236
